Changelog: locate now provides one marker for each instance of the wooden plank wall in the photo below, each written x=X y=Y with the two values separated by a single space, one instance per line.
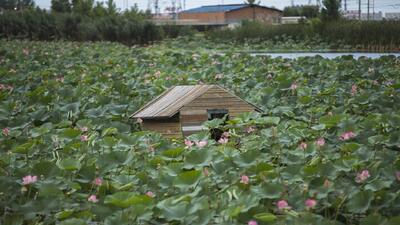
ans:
x=170 y=129
x=195 y=113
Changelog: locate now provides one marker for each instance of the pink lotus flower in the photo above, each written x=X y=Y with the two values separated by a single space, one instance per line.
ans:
x=294 y=86
x=60 y=79
x=362 y=176
x=150 y=194
x=347 y=135
x=310 y=203
x=188 y=143
x=98 y=181
x=84 y=138
x=93 y=198
x=250 y=129
x=84 y=129
x=320 y=142
x=29 y=179
x=157 y=74
x=303 y=145
x=398 y=175
x=25 y=51
x=388 y=83
x=282 y=204
x=223 y=140
x=327 y=183
x=353 y=89
x=226 y=134
x=218 y=76
x=6 y=131
x=244 y=179
x=201 y=143
x=139 y=121
x=206 y=172
x=252 y=222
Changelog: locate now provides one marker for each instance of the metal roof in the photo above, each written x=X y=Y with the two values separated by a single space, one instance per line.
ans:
x=222 y=8
x=215 y=8
x=172 y=100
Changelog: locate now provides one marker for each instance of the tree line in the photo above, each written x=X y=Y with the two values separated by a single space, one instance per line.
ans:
x=80 y=20
x=329 y=11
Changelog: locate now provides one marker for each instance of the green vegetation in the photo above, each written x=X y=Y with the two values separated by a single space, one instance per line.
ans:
x=81 y=20
x=308 y=11
x=371 y=36
x=326 y=151
x=16 y=4
x=331 y=10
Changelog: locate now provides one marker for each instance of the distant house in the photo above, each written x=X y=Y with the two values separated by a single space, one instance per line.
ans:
x=181 y=110
x=231 y=14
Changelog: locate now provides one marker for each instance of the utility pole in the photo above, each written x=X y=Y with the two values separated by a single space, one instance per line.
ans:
x=359 y=9
x=149 y=5
x=368 y=10
x=345 y=5
x=156 y=8
x=292 y=2
x=319 y=3
x=373 y=9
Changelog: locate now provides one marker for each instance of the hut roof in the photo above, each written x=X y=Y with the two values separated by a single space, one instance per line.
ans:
x=172 y=100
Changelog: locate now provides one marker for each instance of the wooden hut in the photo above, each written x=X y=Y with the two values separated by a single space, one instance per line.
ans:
x=181 y=110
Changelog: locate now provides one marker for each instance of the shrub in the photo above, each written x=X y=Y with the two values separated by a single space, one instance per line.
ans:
x=129 y=27
x=371 y=35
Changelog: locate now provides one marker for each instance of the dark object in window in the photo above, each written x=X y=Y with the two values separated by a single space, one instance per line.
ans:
x=217 y=114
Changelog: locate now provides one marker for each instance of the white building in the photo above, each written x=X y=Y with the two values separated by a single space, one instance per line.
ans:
x=392 y=16
x=353 y=15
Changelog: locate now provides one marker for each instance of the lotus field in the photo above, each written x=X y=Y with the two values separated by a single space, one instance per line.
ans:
x=325 y=151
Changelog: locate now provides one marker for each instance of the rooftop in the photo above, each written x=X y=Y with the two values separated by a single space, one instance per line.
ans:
x=172 y=100
x=221 y=8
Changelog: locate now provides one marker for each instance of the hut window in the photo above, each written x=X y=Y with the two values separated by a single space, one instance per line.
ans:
x=216 y=113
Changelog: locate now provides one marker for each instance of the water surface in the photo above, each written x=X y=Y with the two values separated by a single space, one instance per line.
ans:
x=328 y=55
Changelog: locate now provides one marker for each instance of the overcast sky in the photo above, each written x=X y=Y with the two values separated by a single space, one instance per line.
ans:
x=380 y=5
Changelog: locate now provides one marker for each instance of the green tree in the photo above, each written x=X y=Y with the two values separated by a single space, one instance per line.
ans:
x=111 y=7
x=99 y=10
x=331 y=9
x=308 y=11
x=62 y=6
x=252 y=2
x=16 y=4
x=82 y=7
x=291 y=11
x=8 y=4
